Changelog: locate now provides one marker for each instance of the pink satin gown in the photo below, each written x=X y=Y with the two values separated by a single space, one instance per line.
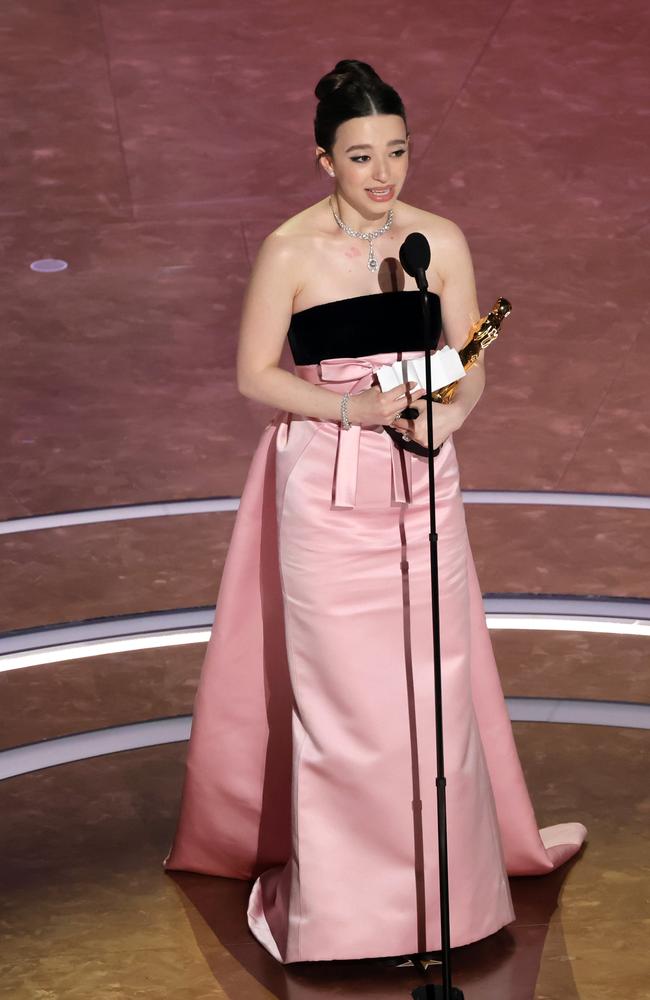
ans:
x=311 y=765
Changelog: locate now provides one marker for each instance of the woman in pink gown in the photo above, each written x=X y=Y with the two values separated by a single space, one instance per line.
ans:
x=311 y=765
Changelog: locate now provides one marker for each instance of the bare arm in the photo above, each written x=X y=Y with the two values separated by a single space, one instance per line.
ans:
x=460 y=311
x=266 y=315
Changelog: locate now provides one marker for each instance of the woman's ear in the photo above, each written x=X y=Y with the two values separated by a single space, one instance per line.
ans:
x=325 y=161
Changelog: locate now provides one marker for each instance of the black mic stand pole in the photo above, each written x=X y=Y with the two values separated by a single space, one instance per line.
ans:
x=446 y=991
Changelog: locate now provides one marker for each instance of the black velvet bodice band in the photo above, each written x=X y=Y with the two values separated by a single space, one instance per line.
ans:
x=380 y=323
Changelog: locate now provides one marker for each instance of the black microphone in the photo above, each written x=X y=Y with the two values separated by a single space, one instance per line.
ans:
x=415 y=257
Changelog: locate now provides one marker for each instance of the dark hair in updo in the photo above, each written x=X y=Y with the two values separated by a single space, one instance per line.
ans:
x=351 y=90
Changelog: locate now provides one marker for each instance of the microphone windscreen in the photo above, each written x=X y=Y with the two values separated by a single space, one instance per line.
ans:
x=415 y=254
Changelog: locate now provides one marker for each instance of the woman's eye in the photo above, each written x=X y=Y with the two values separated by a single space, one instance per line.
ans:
x=364 y=157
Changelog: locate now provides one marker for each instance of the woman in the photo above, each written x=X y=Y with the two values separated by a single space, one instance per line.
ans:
x=312 y=760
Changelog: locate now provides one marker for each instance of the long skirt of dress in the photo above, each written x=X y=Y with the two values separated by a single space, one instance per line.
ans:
x=312 y=761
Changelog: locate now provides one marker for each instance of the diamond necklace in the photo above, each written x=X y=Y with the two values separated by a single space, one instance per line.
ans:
x=373 y=263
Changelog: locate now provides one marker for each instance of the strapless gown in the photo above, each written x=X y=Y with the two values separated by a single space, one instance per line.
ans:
x=311 y=764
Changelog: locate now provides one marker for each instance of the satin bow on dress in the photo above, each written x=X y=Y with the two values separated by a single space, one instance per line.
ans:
x=355 y=375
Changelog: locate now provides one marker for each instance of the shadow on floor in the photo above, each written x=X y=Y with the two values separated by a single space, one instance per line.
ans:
x=504 y=966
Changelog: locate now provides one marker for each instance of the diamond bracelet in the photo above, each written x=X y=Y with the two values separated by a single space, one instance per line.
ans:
x=345 y=420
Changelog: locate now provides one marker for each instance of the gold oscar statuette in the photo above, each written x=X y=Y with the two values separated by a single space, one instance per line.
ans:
x=481 y=335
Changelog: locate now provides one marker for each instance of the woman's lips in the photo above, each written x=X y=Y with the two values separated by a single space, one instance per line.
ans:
x=381 y=194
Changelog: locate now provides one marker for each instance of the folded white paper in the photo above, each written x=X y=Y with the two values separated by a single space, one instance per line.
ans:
x=446 y=367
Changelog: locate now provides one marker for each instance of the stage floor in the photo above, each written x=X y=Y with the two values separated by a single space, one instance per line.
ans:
x=89 y=914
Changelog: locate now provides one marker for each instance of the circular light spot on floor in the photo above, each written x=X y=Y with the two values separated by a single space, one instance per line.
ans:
x=48 y=264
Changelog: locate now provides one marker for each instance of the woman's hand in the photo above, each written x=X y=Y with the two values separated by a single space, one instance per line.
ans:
x=376 y=407
x=447 y=418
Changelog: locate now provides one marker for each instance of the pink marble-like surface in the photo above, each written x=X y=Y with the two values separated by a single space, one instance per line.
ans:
x=563 y=408
x=115 y=568
x=560 y=550
x=62 y=148
x=573 y=665
x=44 y=702
x=58 y=699
x=242 y=100
x=118 y=356
x=546 y=136
x=154 y=145
x=119 y=568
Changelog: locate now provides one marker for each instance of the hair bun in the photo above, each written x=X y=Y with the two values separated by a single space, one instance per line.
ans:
x=346 y=71
x=351 y=90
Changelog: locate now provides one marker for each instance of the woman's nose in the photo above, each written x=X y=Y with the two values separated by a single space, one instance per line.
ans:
x=380 y=172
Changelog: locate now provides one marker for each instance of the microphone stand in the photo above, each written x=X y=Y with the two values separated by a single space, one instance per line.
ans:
x=430 y=991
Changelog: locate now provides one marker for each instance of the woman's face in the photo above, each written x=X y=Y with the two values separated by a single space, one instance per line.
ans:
x=369 y=160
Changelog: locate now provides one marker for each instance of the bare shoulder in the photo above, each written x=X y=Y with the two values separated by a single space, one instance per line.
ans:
x=285 y=253
x=450 y=253
x=279 y=247
x=297 y=233
x=440 y=231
